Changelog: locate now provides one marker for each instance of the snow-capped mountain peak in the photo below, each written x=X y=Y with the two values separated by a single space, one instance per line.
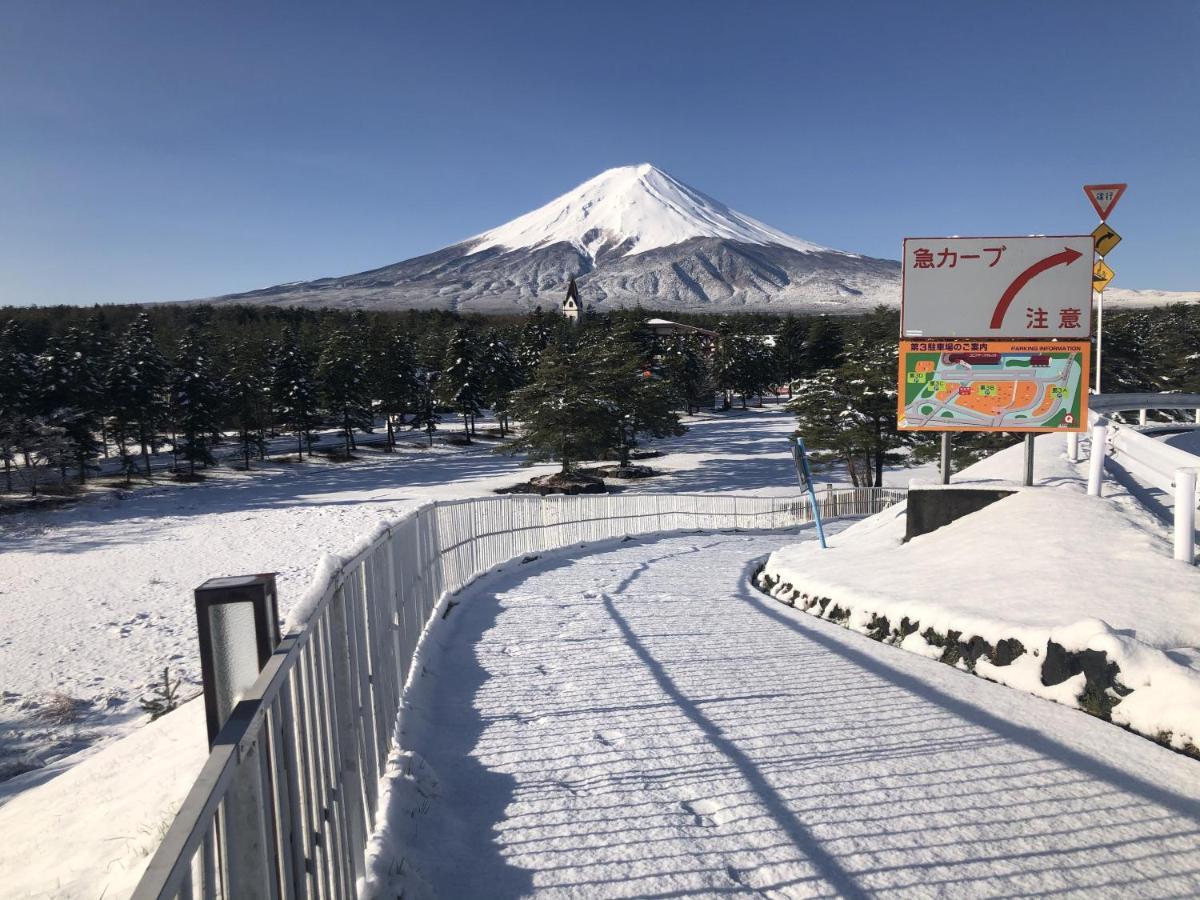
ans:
x=631 y=210
x=631 y=236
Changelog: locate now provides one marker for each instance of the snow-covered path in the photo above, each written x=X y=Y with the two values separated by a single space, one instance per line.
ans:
x=640 y=722
x=96 y=599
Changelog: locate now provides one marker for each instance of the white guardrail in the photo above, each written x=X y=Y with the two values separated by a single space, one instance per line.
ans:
x=312 y=736
x=1156 y=464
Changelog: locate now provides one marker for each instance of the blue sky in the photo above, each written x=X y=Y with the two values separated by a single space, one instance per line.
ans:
x=153 y=151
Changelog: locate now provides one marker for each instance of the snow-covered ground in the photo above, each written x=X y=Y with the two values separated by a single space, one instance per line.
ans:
x=96 y=599
x=114 y=551
x=641 y=723
x=1047 y=564
x=1188 y=441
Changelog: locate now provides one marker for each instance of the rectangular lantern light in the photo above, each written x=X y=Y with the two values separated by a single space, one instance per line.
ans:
x=237 y=621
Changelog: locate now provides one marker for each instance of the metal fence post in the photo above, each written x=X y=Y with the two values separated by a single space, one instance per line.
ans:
x=349 y=783
x=248 y=846
x=1185 y=515
x=1096 y=462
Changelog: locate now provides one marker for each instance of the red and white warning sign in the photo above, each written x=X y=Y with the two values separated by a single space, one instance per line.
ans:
x=998 y=287
x=1104 y=197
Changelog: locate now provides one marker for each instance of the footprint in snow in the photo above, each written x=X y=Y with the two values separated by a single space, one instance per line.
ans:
x=609 y=738
x=707 y=813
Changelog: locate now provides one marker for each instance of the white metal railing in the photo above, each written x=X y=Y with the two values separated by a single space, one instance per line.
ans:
x=1156 y=464
x=312 y=737
x=1109 y=404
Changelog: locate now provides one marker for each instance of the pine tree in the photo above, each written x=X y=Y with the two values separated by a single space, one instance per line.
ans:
x=848 y=413
x=247 y=393
x=425 y=414
x=461 y=383
x=268 y=353
x=43 y=444
x=826 y=419
x=788 y=351
x=71 y=394
x=293 y=392
x=743 y=365
x=344 y=386
x=27 y=431
x=869 y=372
x=137 y=392
x=535 y=337
x=563 y=415
x=822 y=346
x=1179 y=332
x=395 y=380
x=17 y=395
x=618 y=368
x=726 y=364
x=196 y=398
x=683 y=364
x=502 y=376
x=757 y=373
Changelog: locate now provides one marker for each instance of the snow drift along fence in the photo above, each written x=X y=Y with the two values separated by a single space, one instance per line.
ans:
x=312 y=737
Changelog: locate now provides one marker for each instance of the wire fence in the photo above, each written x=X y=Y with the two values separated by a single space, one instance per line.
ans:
x=288 y=797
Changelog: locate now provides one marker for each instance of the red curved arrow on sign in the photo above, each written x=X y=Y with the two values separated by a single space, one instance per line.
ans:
x=1065 y=258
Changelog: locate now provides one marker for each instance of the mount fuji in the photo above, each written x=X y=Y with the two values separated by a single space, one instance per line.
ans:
x=631 y=235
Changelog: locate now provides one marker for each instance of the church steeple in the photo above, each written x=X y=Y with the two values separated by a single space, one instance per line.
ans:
x=570 y=305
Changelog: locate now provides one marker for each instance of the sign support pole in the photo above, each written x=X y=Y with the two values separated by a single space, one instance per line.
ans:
x=1029 y=458
x=1103 y=198
x=800 y=456
x=945 y=461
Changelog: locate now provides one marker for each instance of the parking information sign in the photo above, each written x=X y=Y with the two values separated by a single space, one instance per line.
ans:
x=993 y=385
x=1026 y=288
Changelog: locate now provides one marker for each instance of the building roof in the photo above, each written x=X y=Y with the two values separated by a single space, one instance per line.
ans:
x=667 y=324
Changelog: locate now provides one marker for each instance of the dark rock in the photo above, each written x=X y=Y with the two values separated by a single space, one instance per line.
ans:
x=1007 y=651
x=575 y=483
x=878 y=628
x=1101 y=690
x=971 y=650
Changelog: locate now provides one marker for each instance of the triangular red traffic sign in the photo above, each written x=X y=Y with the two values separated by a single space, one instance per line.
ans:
x=1104 y=196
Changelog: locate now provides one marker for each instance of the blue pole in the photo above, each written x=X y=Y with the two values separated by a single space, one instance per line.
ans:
x=800 y=455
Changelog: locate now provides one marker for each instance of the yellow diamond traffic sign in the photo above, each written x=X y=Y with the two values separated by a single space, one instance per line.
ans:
x=1101 y=276
x=1105 y=238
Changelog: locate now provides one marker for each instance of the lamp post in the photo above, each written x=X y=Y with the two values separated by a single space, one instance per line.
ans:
x=237 y=620
x=238 y=624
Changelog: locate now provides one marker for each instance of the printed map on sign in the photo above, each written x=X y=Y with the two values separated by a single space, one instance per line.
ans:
x=993 y=385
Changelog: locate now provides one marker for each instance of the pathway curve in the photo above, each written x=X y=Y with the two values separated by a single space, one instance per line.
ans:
x=639 y=723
